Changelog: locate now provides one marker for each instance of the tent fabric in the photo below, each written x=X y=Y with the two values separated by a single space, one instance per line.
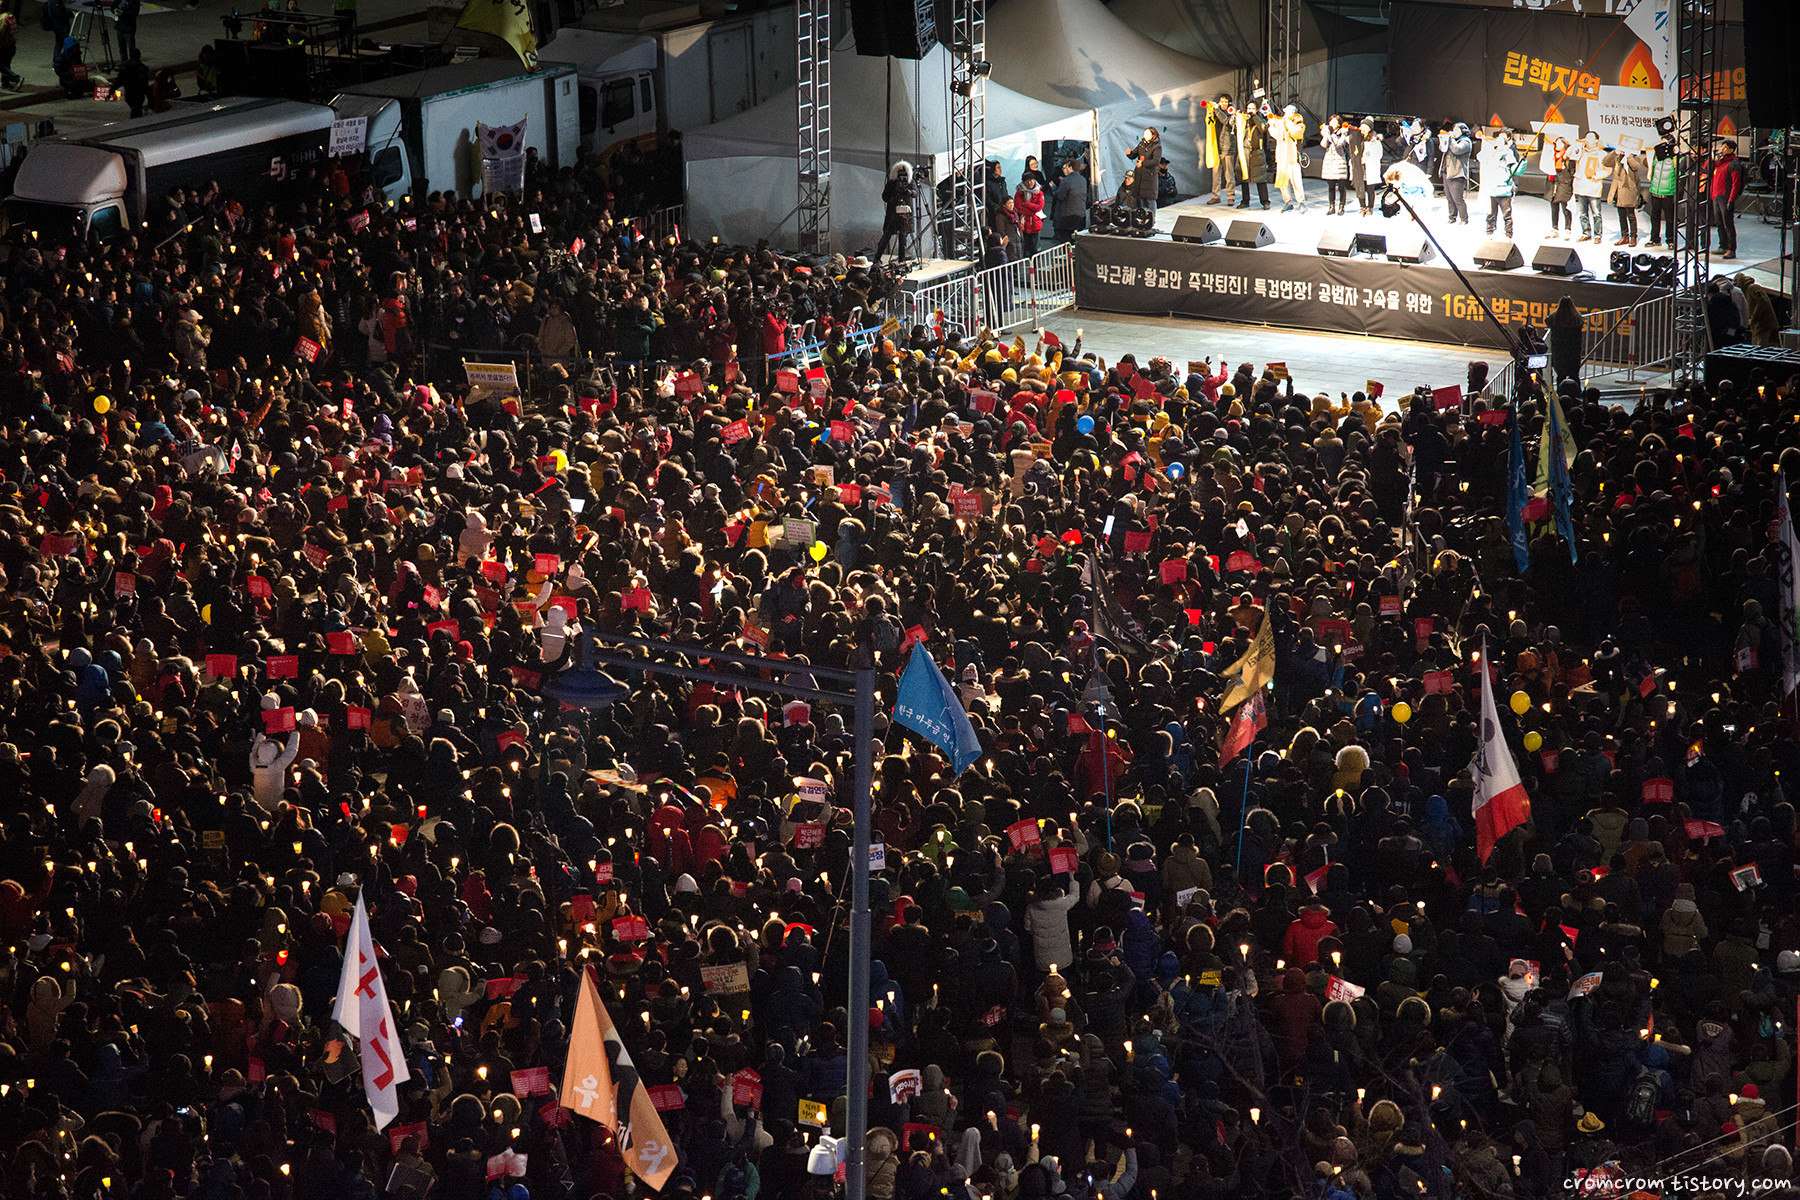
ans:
x=1081 y=53
x=740 y=171
x=1231 y=32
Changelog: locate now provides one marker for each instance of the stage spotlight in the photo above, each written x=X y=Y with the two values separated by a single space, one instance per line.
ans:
x=1665 y=126
x=1143 y=223
x=981 y=70
x=1619 y=267
x=1100 y=219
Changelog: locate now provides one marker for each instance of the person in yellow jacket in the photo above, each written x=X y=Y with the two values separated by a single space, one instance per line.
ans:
x=1289 y=132
x=1221 y=146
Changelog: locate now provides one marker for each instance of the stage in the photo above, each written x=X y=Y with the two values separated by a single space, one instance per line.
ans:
x=1289 y=283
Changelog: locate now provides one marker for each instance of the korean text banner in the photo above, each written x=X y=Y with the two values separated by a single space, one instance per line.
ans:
x=1526 y=67
x=1306 y=291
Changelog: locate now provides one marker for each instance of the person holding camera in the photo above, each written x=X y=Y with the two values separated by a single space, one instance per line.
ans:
x=1665 y=178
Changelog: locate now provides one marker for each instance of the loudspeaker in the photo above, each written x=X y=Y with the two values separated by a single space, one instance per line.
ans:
x=894 y=28
x=1249 y=235
x=1771 y=45
x=1409 y=247
x=261 y=69
x=1498 y=254
x=1336 y=243
x=1556 y=260
x=1190 y=227
x=1374 y=244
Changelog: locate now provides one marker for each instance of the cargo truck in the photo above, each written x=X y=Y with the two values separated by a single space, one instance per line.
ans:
x=102 y=182
x=419 y=129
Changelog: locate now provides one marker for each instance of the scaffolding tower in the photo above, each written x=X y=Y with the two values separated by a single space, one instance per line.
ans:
x=1697 y=45
x=812 y=92
x=968 y=129
x=1281 y=66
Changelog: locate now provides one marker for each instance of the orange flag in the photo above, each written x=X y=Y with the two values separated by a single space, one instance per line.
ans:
x=588 y=1088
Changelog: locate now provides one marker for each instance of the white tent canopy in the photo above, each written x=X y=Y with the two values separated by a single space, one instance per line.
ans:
x=741 y=182
x=1077 y=52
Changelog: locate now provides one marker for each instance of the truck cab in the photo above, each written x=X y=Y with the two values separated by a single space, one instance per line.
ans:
x=617 y=110
x=69 y=193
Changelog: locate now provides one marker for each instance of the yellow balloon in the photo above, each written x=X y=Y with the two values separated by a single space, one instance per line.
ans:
x=102 y=405
x=562 y=460
x=1403 y=712
x=817 y=550
x=1521 y=703
x=1534 y=741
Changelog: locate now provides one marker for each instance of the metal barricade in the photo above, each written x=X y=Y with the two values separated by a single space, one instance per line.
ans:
x=998 y=298
x=662 y=224
x=1633 y=338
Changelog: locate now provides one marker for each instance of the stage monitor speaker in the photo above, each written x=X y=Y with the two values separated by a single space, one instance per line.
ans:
x=1191 y=227
x=1336 y=243
x=1556 y=260
x=1374 y=244
x=1249 y=235
x=894 y=28
x=1409 y=247
x=1499 y=255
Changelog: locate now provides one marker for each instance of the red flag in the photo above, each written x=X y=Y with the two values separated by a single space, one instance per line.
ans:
x=1251 y=718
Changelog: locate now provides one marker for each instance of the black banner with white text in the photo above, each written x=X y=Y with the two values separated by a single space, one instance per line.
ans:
x=1309 y=291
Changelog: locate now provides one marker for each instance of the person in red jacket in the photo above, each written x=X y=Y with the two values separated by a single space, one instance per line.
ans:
x=1301 y=945
x=1028 y=212
x=1727 y=184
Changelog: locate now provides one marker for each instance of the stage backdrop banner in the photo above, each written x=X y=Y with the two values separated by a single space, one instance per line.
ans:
x=1339 y=295
x=1524 y=67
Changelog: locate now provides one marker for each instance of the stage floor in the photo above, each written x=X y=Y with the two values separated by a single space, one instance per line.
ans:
x=1759 y=245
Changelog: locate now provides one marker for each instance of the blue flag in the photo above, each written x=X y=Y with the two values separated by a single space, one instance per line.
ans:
x=929 y=706
x=1518 y=491
x=1562 y=489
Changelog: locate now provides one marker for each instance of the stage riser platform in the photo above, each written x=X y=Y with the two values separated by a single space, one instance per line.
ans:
x=1426 y=302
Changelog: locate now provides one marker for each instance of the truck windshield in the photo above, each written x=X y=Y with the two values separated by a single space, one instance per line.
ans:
x=56 y=223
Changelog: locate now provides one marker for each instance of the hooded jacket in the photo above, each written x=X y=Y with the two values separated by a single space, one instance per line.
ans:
x=1300 y=946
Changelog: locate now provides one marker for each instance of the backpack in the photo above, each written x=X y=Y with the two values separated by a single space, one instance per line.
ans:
x=1640 y=1103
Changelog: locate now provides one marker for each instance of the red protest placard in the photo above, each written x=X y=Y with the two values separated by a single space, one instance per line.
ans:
x=667 y=1097
x=735 y=432
x=850 y=494
x=1334 y=629
x=1439 y=682
x=1078 y=724
x=787 y=381
x=746 y=1088
x=968 y=505
x=259 y=587
x=983 y=401
x=221 y=666
x=124 y=584
x=843 y=431
x=397 y=1135
x=340 y=641
x=534 y=1081
x=809 y=834
x=55 y=545
x=554 y=1116
x=1422 y=630
x=688 y=384
x=1389 y=606
x=546 y=564
x=1064 y=860
x=1173 y=570
x=1023 y=834
x=581 y=907
x=603 y=873
x=638 y=598
x=1551 y=759
x=324 y=1120
x=308 y=349
x=493 y=570
x=1446 y=397
x=1242 y=560
x=357 y=717
x=278 y=720
x=447 y=627
x=1493 y=416
x=630 y=928
x=1702 y=829
x=506 y=741
x=1659 y=791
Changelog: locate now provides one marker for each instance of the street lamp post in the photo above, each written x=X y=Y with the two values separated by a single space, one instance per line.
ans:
x=589 y=687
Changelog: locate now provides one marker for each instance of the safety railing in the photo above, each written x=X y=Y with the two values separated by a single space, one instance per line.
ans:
x=999 y=298
x=1633 y=338
x=662 y=224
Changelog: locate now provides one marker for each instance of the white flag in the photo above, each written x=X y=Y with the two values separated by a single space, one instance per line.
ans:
x=1499 y=804
x=1787 y=572
x=363 y=1012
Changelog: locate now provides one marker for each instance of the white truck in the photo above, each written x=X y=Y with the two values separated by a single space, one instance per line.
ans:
x=644 y=73
x=99 y=183
x=419 y=129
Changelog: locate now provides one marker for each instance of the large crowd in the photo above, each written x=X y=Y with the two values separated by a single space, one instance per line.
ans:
x=283 y=596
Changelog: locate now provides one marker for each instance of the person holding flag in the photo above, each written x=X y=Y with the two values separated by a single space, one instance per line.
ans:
x=596 y=1071
x=1499 y=804
x=927 y=705
x=1253 y=671
x=362 y=1011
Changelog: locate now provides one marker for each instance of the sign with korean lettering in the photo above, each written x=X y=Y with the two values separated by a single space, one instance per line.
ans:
x=1306 y=291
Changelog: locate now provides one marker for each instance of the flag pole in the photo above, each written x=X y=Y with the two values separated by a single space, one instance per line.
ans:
x=1105 y=765
x=857 y=1044
x=1244 y=806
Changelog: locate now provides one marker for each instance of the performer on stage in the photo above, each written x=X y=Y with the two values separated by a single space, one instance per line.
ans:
x=1252 y=133
x=897 y=225
x=1728 y=178
x=1334 y=167
x=1221 y=146
x=1627 y=184
x=1589 y=161
x=1289 y=132
x=1370 y=180
x=1458 y=148
x=1148 y=153
x=1500 y=167
x=1553 y=161
x=1665 y=177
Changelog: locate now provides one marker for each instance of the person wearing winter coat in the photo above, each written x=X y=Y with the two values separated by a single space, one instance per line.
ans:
x=1070 y=204
x=1289 y=132
x=1047 y=922
x=897 y=222
x=1028 y=210
x=1458 y=146
x=881 y=1163
x=1765 y=329
x=269 y=762
x=1559 y=187
x=1683 y=927
x=1221 y=146
x=1293 y=1011
x=1300 y=945
x=1334 y=167
x=1624 y=194
x=1148 y=155
x=1588 y=164
x=1369 y=184
x=1251 y=133
x=1500 y=167
x=1726 y=177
